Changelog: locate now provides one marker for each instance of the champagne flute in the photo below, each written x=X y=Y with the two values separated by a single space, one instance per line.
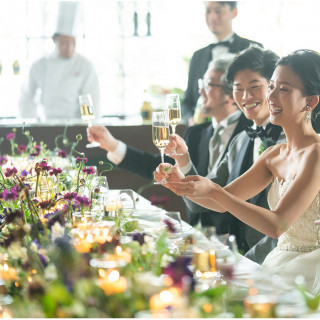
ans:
x=160 y=133
x=172 y=222
x=86 y=109
x=174 y=113
x=127 y=202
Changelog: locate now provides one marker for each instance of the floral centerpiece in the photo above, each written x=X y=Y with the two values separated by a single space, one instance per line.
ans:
x=58 y=261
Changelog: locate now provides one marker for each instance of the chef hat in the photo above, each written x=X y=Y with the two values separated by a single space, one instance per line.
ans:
x=69 y=18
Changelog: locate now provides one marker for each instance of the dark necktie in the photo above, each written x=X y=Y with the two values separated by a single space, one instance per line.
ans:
x=221 y=43
x=258 y=132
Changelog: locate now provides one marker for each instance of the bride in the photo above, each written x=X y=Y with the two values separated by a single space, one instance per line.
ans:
x=293 y=168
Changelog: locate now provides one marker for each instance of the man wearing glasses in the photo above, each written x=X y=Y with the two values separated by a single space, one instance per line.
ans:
x=219 y=16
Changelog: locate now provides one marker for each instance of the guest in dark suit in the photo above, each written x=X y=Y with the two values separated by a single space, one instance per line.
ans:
x=250 y=73
x=218 y=103
x=219 y=16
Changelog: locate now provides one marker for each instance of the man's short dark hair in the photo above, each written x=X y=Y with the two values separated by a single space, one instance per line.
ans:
x=255 y=59
x=231 y=4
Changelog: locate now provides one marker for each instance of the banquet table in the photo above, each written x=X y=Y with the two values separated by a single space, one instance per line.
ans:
x=250 y=280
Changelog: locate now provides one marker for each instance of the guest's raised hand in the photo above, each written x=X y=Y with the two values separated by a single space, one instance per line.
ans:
x=180 y=147
x=102 y=135
x=176 y=143
x=194 y=186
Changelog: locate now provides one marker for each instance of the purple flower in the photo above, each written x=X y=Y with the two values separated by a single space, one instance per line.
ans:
x=179 y=272
x=24 y=173
x=10 y=136
x=69 y=195
x=88 y=170
x=12 y=215
x=3 y=160
x=44 y=165
x=47 y=204
x=22 y=149
x=55 y=171
x=82 y=201
x=170 y=226
x=78 y=159
x=138 y=237
x=36 y=152
x=62 y=154
x=10 y=172
x=10 y=195
x=56 y=216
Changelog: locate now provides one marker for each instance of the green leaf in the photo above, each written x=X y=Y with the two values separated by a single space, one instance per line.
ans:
x=130 y=226
x=312 y=302
x=212 y=293
x=59 y=293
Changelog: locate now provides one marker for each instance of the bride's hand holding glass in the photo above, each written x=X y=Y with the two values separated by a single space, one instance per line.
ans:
x=168 y=172
x=195 y=186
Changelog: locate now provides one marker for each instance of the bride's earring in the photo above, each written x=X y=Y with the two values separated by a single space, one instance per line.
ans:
x=307 y=115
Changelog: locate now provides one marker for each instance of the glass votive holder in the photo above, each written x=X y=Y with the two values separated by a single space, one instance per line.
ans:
x=260 y=306
x=86 y=218
x=103 y=231
x=111 y=205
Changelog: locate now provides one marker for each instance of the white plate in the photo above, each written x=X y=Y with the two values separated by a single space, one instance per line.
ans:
x=151 y=214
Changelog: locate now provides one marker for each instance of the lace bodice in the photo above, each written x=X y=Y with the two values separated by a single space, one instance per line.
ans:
x=303 y=235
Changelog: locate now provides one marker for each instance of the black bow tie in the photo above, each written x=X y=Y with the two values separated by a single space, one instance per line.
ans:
x=259 y=132
x=221 y=43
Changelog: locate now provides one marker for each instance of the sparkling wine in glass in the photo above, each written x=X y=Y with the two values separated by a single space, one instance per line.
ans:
x=160 y=133
x=174 y=114
x=87 y=114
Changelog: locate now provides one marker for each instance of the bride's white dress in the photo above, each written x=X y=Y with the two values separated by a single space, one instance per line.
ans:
x=298 y=249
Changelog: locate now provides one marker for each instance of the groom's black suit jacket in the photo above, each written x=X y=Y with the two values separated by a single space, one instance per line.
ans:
x=199 y=65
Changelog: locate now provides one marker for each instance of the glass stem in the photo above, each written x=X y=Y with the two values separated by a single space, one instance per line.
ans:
x=173 y=128
x=162 y=154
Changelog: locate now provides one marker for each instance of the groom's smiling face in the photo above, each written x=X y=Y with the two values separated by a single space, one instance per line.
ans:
x=249 y=93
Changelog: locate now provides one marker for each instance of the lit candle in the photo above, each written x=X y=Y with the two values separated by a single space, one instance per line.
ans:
x=260 y=306
x=123 y=255
x=166 y=298
x=82 y=246
x=8 y=273
x=112 y=282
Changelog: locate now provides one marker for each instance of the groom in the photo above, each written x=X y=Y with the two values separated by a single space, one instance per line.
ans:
x=249 y=73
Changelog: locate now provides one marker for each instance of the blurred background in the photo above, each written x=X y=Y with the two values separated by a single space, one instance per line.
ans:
x=141 y=47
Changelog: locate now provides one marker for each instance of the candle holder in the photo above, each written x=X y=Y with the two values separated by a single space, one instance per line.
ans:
x=102 y=231
x=87 y=217
x=260 y=306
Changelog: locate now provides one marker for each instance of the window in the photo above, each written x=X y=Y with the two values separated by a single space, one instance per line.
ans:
x=129 y=64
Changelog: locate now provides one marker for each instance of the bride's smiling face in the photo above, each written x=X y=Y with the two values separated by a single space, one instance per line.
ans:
x=287 y=101
x=249 y=92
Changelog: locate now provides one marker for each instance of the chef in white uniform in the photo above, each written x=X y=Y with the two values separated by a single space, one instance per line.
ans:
x=54 y=82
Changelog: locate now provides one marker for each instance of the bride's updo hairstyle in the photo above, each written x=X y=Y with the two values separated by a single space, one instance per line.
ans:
x=306 y=65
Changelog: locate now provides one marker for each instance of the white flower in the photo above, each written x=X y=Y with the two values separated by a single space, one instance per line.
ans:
x=27 y=228
x=15 y=251
x=166 y=259
x=50 y=272
x=57 y=231
x=34 y=247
